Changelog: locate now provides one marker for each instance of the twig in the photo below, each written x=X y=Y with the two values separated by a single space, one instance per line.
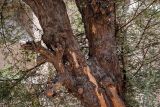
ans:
x=135 y=16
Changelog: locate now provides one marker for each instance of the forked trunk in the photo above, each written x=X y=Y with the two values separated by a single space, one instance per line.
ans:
x=96 y=82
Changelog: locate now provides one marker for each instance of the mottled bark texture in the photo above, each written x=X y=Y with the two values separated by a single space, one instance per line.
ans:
x=96 y=82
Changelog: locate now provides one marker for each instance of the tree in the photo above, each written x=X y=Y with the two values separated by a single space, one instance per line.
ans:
x=96 y=81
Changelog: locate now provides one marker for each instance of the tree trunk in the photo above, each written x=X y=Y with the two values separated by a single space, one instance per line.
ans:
x=99 y=20
x=97 y=81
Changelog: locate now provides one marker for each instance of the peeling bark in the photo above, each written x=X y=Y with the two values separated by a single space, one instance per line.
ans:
x=96 y=81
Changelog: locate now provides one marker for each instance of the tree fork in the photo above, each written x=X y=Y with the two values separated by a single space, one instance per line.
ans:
x=83 y=79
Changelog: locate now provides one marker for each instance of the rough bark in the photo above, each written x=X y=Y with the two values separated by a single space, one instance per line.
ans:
x=96 y=81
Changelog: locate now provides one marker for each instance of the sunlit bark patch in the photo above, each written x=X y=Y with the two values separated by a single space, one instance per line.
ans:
x=75 y=59
x=117 y=102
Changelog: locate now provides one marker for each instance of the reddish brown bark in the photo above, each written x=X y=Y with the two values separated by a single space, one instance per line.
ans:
x=98 y=17
x=96 y=81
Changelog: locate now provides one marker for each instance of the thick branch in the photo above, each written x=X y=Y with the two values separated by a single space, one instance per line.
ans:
x=53 y=57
